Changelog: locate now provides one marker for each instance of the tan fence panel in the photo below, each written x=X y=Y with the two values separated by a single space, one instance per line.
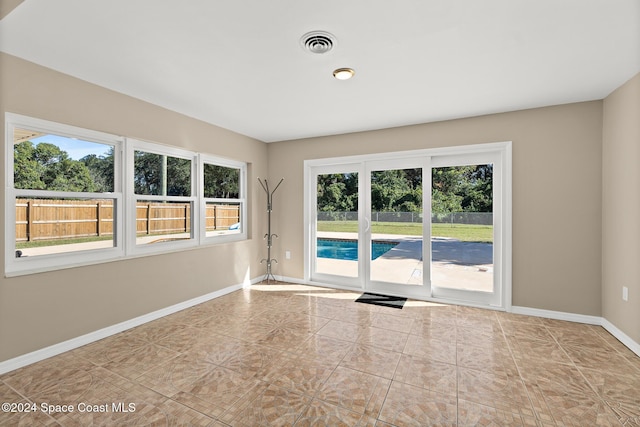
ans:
x=51 y=219
x=162 y=218
x=22 y=223
x=221 y=217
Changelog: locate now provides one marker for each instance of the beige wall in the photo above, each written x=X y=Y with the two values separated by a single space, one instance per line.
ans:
x=621 y=208
x=557 y=184
x=559 y=165
x=44 y=309
x=7 y=6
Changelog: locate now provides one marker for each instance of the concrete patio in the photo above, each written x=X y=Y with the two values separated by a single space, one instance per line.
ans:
x=455 y=265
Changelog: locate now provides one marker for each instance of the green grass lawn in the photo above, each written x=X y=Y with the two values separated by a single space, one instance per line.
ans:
x=463 y=232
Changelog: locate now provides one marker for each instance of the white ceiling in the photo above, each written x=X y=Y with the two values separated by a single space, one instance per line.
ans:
x=240 y=64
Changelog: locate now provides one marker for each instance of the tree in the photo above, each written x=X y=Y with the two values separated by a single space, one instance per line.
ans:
x=442 y=203
x=479 y=190
x=454 y=189
x=101 y=170
x=27 y=172
x=337 y=192
x=46 y=167
x=462 y=189
x=148 y=175
x=178 y=177
x=221 y=182
x=393 y=191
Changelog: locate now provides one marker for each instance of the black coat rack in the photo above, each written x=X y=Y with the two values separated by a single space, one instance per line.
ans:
x=269 y=236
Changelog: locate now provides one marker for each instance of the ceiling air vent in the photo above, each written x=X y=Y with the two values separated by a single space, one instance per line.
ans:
x=318 y=41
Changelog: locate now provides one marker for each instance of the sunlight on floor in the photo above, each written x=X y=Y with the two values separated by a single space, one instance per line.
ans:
x=337 y=295
x=319 y=292
x=284 y=287
x=305 y=290
x=417 y=303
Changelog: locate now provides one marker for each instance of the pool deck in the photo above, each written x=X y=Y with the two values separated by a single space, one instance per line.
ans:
x=456 y=264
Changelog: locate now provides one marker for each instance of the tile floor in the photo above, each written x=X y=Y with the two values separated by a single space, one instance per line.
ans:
x=295 y=355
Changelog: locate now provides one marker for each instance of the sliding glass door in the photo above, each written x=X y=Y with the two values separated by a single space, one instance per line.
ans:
x=368 y=226
x=466 y=223
x=395 y=223
x=434 y=225
x=336 y=242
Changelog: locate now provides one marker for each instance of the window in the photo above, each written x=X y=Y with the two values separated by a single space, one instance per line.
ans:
x=162 y=195
x=63 y=197
x=223 y=189
x=69 y=197
x=161 y=175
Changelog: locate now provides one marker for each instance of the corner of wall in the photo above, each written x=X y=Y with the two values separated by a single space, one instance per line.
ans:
x=620 y=205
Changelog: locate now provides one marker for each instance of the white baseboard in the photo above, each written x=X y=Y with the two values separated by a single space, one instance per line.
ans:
x=581 y=318
x=558 y=315
x=292 y=280
x=537 y=312
x=54 y=350
x=621 y=336
x=319 y=284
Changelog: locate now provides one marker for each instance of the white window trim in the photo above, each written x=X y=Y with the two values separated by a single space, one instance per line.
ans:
x=27 y=265
x=123 y=197
x=132 y=248
x=218 y=161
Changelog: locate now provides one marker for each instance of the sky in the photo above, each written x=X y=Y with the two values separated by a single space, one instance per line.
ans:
x=75 y=148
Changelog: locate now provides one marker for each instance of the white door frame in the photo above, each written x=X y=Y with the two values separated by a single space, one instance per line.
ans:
x=493 y=299
x=503 y=237
x=311 y=213
x=413 y=291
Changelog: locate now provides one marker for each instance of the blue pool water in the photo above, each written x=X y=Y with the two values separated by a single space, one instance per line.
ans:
x=348 y=249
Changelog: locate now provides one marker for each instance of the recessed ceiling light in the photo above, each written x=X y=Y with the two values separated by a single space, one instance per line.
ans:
x=344 y=73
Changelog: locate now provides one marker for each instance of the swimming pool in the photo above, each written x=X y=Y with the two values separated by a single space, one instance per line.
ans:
x=348 y=249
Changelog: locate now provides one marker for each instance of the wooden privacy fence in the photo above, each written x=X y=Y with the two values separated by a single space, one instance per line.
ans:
x=50 y=219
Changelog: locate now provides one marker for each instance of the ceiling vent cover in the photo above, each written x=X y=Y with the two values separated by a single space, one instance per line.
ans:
x=318 y=41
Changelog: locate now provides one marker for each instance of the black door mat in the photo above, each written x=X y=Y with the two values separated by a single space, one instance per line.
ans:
x=383 y=300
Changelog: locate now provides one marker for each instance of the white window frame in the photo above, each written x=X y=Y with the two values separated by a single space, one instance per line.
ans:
x=26 y=265
x=242 y=190
x=123 y=196
x=132 y=248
